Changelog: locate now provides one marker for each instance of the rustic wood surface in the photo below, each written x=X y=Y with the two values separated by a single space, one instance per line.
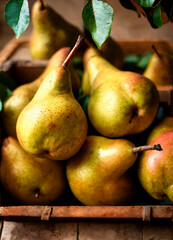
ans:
x=38 y=231
x=77 y=213
x=87 y=231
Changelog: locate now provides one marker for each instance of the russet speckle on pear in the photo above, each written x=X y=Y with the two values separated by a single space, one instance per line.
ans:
x=53 y=124
x=23 y=94
x=121 y=102
x=99 y=174
x=30 y=180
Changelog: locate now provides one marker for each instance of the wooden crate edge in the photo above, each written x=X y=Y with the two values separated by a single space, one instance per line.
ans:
x=42 y=213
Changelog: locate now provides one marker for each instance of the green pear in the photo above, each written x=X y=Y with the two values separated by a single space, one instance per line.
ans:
x=85 y=84
x=112 y=52
x=98 y=174
x=50 y=32
x=120 y=102
x=155 y=169
x=159 y=68
x=23 y=94
x=53 y=124
x=166 y=124
x=28 y=179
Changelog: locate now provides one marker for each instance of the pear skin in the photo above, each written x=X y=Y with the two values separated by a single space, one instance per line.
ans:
x=166 y=124
x=50 y=32
x=159 y=68
x=27 y=179
x=23 y=94
x=98 y=173
x=121 y=102
x=155 y=169
x=53 y=124
x=85 y=84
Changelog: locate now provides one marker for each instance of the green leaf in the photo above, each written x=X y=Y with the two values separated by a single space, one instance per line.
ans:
x=131 y=59
x=1 y=105
x=146 y=3
x=83 y=101
x=157 y=20
x=4 y=92
x=143 y=60
x=97 y=17
x=7 y=80
x=17 y=15
x=137 y=63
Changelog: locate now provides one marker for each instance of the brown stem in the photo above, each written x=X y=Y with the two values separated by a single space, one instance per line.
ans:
x=156 y=51
x=146 y=148
x=139 y=15
x=42 y=5
x=37 y=193
x=77 y=45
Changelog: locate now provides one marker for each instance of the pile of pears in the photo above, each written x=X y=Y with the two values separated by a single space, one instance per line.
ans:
x=52 y=145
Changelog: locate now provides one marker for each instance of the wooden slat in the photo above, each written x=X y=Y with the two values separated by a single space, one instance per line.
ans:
x=39 y=231
x=86 y=212
x=162 y=212
x=110 y=231
x=129 y=46
x=157 y=231
x=11 y=47
x=165 y=94
x=141 y=46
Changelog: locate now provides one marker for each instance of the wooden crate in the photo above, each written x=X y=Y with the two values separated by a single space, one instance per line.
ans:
x=32 y=69
x=17 y=50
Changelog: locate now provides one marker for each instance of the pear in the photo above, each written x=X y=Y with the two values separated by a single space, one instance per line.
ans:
x=85 y=84
x=23 y=94
x=166 y=124
x=159 y=68
x=30 y=180
x=53 y=124
x=50 y=32
x=155 y=169
x=97 y=174
x=121 y=102
x=100 y=173
x=112 y=52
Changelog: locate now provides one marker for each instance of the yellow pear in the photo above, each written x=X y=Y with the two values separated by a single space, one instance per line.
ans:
x=23 y=94
x=53 y=124
x=98 y=173
x=121 y=102
x=159 y=68
x=30 y=180
x=50 y=31
x=112 y=52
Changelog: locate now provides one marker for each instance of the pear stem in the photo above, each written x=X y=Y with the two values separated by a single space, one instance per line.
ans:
x=146 y=148
x=42 y=5
x=156 y=51
x=138 y=14
x=77 y=45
